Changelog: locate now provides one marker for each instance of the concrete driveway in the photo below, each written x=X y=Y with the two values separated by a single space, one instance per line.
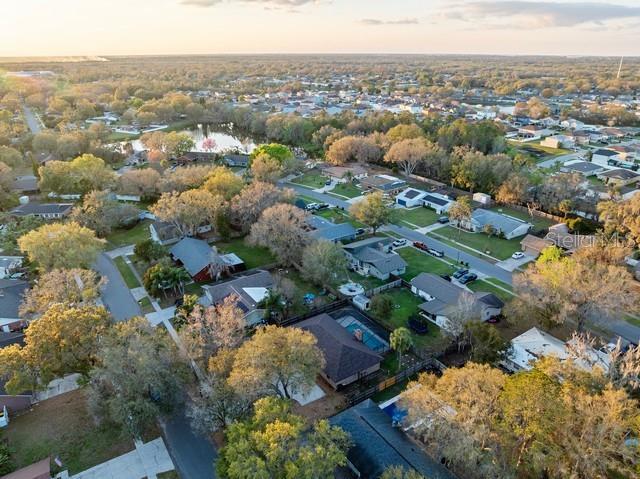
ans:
x=511 y=264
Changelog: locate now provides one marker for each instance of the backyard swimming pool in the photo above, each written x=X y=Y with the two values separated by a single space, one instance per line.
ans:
x=369 y=338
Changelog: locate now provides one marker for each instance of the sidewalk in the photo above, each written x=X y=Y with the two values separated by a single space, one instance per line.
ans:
x=145 y=461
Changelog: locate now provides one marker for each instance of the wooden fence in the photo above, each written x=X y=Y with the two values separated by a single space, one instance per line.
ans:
x=394 y=284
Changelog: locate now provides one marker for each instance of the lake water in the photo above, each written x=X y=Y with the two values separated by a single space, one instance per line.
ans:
x=225 y=140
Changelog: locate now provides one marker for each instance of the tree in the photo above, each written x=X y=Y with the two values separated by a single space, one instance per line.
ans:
x=282 y=229
x=216 y=405
x=487 y=345
x=514 y=190
x=276 y=361
x=372 y=211
x=80 y=175
x=565 y=207
x=400 y=341
x=139 y=376
x=59 y=245
x=189 y=210
x=73 y=287
x=277 y=443
x=398 y=472
x=382 y=305
x=207 y=330
x=324 y=263
x=149 y=251
x=248 y=205
x=15 y=228
x=184 y=310
x=44 y=142
x=141 y=182
x=7 y=198
x=559 y=187
x=460 y=212
x=223 y=182
x=408 y=154
x=63 y=340
x=404 y=132
x=576 y=289
x=10 y=156
x=353 y=148
x=102 y=214
x=163 y=276
x=489 y=230
x=280 y=153
x=184 y=178
x=267 y=169
x=622 y=217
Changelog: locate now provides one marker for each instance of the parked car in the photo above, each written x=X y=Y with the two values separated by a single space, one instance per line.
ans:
x=468 y=278
x=399 y=242
x=420 y=245
x=518 y=255
x=494 y=319
x=327 y=183
x=435 y=252
x=323 y=206
x=460 y=273
x=312 y=207
x=360 y=231
x=418 y=324
x=443 y=220
x=446 y=277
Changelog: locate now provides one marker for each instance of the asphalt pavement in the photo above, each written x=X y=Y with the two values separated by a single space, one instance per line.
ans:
x=32 y=121
x=116 y=296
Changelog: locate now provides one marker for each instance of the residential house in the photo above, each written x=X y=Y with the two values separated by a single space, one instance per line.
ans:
x=323 y=229
x=202 y=261
x=195 y=156
x=384 y=183
x=47 y=211
x=535 y=344
x=373 y=256
x=26 y=184
x=509 y=226
x=619 y=177
x=604 y=157
x=11 y=294
x=411 y=198
x=378 y=445
x=236 y=161
x=533 y=246
x=438 y=202
x=585 y=168
x=344 y=174
x=9 y=265
x=560 y=236
x=347 y=358
x=443 y=298
x=534 y=132
x=559 y=141
x=249 y=291
x=164 y=233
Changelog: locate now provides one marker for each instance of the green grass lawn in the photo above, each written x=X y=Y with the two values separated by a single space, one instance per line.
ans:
x=334 y=214
x=146 y=306
x=548 y=150
x=62 y=426
x=497 y=247
x=488 y=287
x=406 y=304
x=347 y=190
x=311 y=180
x=420 y=262
x=253 y=256
x=415 y=216
x=126 y=273
x=124 y=237
x=537 y=222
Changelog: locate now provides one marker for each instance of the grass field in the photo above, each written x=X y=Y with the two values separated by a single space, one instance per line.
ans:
x=310 y=180
x=548 y=150
x=253 y=256
x=496 y=247
x=420 y=262
x=347 y=190
x=406 y=304
x=123 y=237
x=334 y=214
x=415 y=216
x=126 y=273
x=488 y=287
x=62 y=426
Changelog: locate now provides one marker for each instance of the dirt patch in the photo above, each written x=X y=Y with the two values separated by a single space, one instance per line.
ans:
x=325 y=407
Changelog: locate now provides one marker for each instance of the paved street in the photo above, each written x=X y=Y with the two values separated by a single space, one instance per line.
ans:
x=193 y=455
x=116 y=295
x=32 y=121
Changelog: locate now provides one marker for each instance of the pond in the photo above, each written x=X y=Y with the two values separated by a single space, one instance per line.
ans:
x=221 y=139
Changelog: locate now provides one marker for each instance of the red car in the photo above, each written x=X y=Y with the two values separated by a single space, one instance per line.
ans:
x=420 y=245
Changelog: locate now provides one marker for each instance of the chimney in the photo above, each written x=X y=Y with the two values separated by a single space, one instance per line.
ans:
x=357 y=334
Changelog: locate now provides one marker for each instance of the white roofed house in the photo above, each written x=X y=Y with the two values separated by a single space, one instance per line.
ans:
x=508 y=226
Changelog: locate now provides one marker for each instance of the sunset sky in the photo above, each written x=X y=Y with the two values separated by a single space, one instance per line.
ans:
x=123 y=27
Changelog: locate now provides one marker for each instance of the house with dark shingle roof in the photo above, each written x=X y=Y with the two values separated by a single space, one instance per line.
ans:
x=323 y=229
x=202 y=261
x=347 y=359
x=47 y=211
x=378 y=445
x=443 y=299
x=11 y=294
x=373 y=256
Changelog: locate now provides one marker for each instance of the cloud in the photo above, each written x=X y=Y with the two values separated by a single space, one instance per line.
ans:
x=533 y=14
x=401 y=21
x=265 y=3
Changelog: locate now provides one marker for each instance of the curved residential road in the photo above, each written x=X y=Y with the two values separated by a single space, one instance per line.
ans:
x=33 y=122
x=116 y=296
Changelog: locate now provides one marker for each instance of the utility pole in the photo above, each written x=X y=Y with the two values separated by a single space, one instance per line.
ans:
x=619 y=68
